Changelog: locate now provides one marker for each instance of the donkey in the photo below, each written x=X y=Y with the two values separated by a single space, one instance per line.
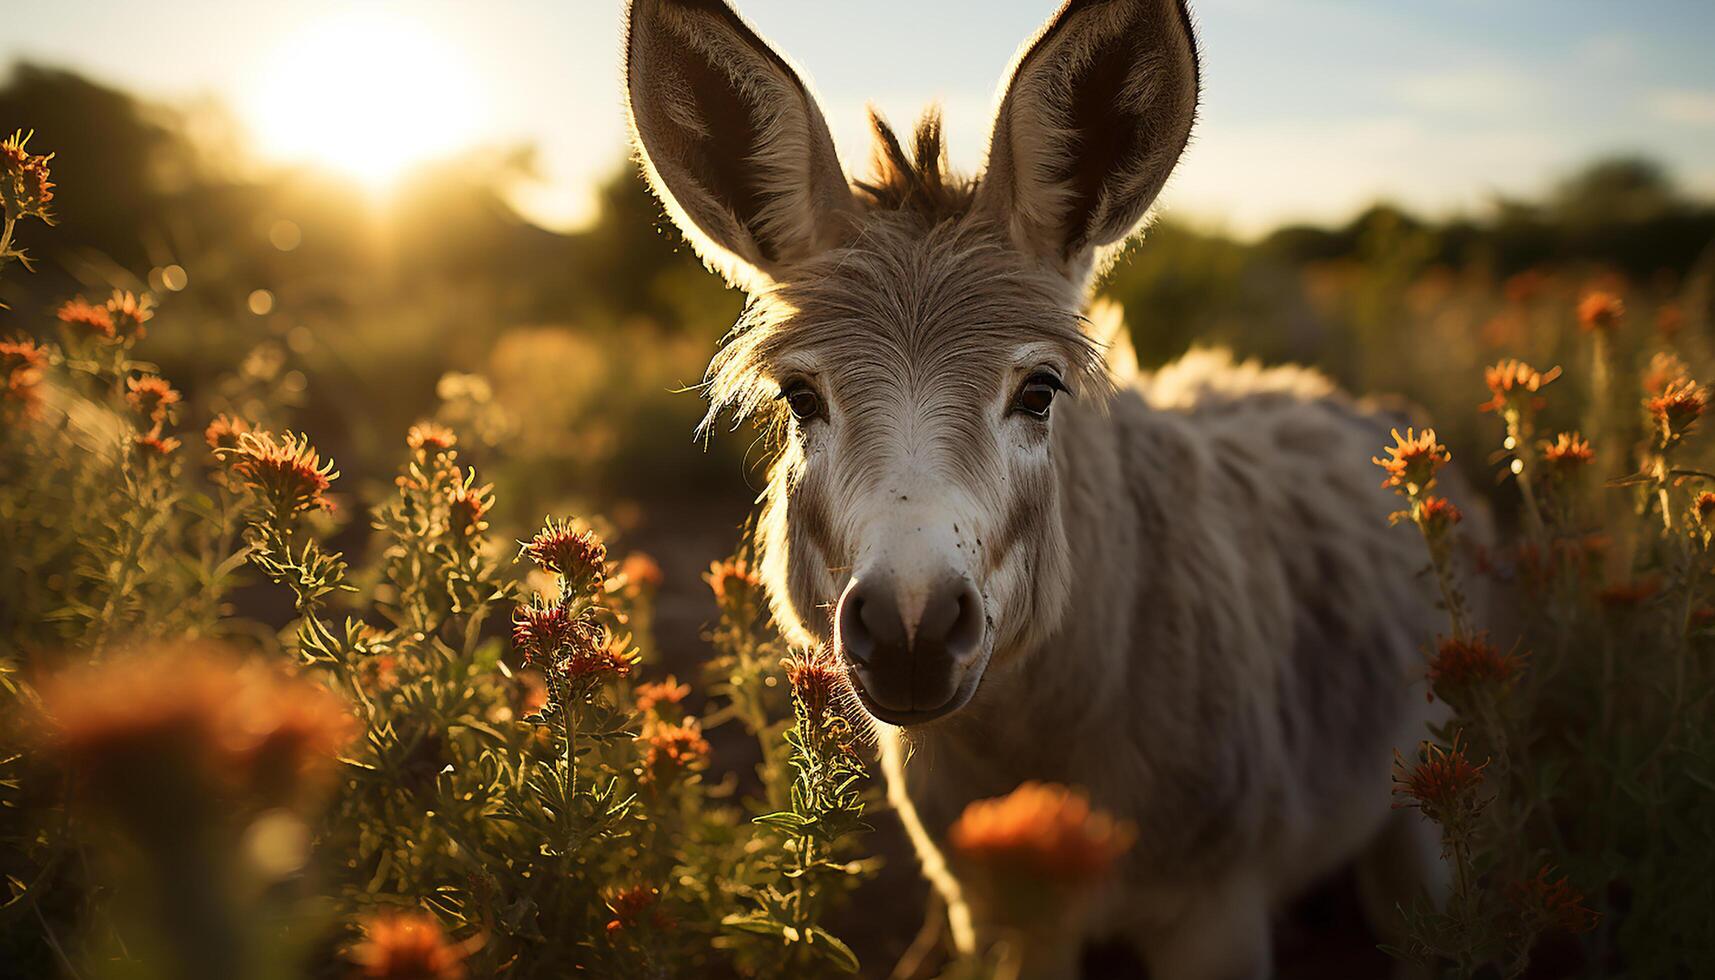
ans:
x=1178 y=590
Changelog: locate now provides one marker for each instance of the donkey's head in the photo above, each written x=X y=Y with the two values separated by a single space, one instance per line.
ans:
x=914 y=335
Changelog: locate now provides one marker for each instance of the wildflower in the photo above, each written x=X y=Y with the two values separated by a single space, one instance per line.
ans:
x=87 y=319
x=609 y=657
x=284 y=470
x=25 y=188
x=430 y=438
x=380 y=672
x=1413 y=461
x=1436 y=516
x=1043 y=831
x=544 y=631
x=469 y=504
x=1442 y=783
x=1677 y=409
x=1600 y=311
x=631 y=905
x=1461 y=668
x=737 y=587
x=668 y=694
x=1567 y=454
x=223 y=432
x=408 y=946
x=1547 y=903
x=128 y=313
x=153 y=444
x=1669 y=321
x=156 y=733
x=1664 y=369
x=21 y=366
x=1514 y=385
x=672 y=749
x=640 y=571
x=577 y=556
x=817 y=682
x=151 y=397
x=1630 y=594
x=1703 y=509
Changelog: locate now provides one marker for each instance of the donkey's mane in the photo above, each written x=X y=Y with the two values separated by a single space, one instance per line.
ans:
x=915 y=181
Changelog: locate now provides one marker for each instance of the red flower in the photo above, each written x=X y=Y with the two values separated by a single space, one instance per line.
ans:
x=669 y=693
x=672 y=749
x=469 y=505
x=1462 y=667
x=577 y=555
x=128 y=313
x=1442 y=783
x=156 y=445
x=1568 y=453
x=24 y=185
x=736 y=586
x=224 y=431
x=1437 y=515
x=544 y=632
x=1677 y=409
x=633 y=906
x=151 y=397
x=1551 y=904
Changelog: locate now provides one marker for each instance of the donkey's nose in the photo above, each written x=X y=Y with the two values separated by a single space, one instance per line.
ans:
x=909 y=658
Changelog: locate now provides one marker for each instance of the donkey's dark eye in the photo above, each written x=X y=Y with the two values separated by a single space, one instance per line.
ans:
x=802 y=400
x=1037 y=394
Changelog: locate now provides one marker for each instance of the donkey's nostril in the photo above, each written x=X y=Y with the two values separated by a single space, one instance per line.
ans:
x=952 y=623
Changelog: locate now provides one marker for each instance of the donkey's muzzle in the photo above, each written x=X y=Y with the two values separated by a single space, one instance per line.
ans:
x=908 y=658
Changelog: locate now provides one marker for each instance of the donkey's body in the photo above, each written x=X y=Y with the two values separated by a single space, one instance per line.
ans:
x=1231 y=672
x=1179 y=592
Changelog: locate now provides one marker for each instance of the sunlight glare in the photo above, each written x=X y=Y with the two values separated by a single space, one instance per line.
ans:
x=364 y=93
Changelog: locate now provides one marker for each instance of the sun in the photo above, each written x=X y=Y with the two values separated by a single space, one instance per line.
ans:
x=364 y=93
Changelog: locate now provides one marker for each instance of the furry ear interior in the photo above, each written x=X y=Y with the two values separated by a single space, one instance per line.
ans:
x=1097 y=110
x=731 y=140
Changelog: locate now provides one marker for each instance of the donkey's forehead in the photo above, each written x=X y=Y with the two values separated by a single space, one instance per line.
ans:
x=936 y=304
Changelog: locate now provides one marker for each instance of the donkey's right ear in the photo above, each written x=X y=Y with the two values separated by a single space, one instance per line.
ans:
x=732 y=140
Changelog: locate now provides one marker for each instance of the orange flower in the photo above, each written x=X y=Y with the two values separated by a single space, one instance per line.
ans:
x=1669 y=321
x=668 y=694
x=224 y=431
x=284 y=470
x=128 y=313
x=1463 y=667
x=24 y=185
x=1664 y=369
x=161 y=730
x=1600 y=311
x=1442 y=783
x=153 y=444
x=1549 y=904
x=1568 y=453
x=86 y=318
x=577 y=556
x=151 y=397
x=408 y=946
x=430 y=437
x=736 y=586
x=1437 y=515
x=21 y=366
x=631 y=905
x=672 y=749
x=1413 y=461
x=1677 y=409
x=469 y=505
x=1514 y=384
x=640 y=571
x=1042 y=831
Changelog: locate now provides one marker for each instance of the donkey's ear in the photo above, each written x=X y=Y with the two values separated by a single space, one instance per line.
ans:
x=731 y=139
x=1096 y=112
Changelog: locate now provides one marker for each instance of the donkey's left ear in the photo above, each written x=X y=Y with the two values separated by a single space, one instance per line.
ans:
x=1096 y=113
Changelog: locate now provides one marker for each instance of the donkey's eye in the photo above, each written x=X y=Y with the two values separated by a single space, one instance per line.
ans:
x=802 y=400
x=1037 y=394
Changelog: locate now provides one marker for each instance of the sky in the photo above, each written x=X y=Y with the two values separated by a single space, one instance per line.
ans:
x=1312 y=109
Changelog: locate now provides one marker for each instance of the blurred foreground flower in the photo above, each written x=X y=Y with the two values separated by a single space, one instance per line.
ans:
x=408 y=946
